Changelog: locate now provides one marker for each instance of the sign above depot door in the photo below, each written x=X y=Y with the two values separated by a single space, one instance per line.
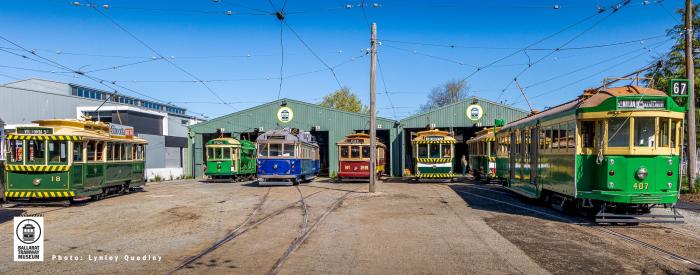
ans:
x=474 y=112
x=285 y=114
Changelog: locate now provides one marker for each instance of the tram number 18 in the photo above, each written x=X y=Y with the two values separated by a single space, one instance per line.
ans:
x=641 y=186
x=55 y=178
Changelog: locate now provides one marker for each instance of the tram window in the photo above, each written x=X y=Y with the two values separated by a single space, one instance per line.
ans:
x=434 y=150
x=365 y=151
x=90 y=151
x=571 y=141
x=275 y=149
x=618 y=132
x=555 y=137
x=218 y=153
x=674 y=131
x=446 y=151
x=78 y=152
x=262 y=150
x=36 y=152
x=58 y=151
x=644 y=129
x=288 y=150
x=16 y=151
x=110 y=151
x=122 y=151
x=344 y=153
x=664 y=130
x=129 y=151
x=139 y=151
x=99 y=148
x=354 y=152
x=588 y=134
x=422 y=150
x=548 y=137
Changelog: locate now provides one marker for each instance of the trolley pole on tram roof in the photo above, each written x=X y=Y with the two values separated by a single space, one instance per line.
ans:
x=372 y=111
x=690 y=71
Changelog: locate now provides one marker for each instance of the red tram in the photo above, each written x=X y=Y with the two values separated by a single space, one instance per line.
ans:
x=353 y=156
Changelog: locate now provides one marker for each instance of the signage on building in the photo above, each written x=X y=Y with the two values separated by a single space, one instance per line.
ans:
x=474 y=112
x=285 y=114
x=121 y=130
x=641 y=104
x=34 y=131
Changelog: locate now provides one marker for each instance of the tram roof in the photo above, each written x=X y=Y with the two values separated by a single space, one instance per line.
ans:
x=86 y=129
x=488 y=134
x=224 y=141
x=363 y=136
x=421 y=136
x=285 y=136
x=590 y=98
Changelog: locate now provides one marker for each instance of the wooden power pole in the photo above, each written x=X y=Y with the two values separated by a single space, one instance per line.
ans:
x=690 y=71
x=372 y=112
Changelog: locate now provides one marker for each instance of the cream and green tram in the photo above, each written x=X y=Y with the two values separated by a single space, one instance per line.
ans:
x=64 y=160
x=433 y=154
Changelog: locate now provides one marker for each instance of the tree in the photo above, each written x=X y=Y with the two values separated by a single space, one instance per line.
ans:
x=450 y=92
x=344 y=100
x=673 y=64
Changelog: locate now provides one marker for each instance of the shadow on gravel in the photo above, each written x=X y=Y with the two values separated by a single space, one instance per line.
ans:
x=9 y=214
x=488 y=197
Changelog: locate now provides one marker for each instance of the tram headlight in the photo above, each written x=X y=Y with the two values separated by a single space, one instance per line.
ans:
x=670 y=162
x=36 y=181
x=612 y=162
x=642 y=173
x=611 y=185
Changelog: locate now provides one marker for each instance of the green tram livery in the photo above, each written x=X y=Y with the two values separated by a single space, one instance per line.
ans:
x=66 y=160
x=482 y=154
x=612 y=154
x=433 y=151
x=230 y=159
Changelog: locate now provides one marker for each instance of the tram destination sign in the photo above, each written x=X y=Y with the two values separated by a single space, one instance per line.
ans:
x=641 y=104
x=431 y=138
x=34 y=131
x=121 y=130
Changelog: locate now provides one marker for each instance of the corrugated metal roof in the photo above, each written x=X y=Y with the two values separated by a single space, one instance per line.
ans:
x=445 y=116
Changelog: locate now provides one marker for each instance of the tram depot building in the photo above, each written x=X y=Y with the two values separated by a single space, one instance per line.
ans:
x=328 y=126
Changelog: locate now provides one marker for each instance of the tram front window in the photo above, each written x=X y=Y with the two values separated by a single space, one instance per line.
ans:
x=36 y=152
x=434 y=150
x=664 y=130
x=77 y=152
x=15 y=150
x=355 y=152
x=446 y=151
x=644 y=135
x=618 y=132
x=58 y=151
x=288 y=150
x=422 y=150
x=674 y=130
x=262 y=150
x=275 y=150
x=344 y=153
x=365 y=151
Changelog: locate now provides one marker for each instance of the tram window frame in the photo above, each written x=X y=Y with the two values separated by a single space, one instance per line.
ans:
x=571 y=138
x=33 y=158
x=77 y=148
x=555 y=136
x=675 y=123
x=425 y=151
x=110 y=151
x=430 y=150
x=588 y=134
x=62 y=154
x=13 y=146
x=263 y=150
x=355 y=149
x=128 y=153
x=365 y=149
x=649 y=138
x=664 y=130
x=623 y=140
x=344 y=152
x=285 y=150
x=446 y=150
x=278 y=149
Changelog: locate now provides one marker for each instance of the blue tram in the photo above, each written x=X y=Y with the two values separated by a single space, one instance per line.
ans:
x=287 y=157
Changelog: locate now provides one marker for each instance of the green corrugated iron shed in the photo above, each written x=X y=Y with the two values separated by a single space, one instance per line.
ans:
x=337 y=124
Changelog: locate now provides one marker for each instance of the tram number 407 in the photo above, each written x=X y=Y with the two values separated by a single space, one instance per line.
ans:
x=641 y=186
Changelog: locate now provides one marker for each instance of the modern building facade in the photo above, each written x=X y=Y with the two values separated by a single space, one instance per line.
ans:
x=163 y=125
x=329 y=126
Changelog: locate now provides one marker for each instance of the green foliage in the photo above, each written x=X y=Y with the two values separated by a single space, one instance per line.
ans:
x=673 y=64
x=344 y=100
x=157 y=178
x=450 y=92
x=334 y=176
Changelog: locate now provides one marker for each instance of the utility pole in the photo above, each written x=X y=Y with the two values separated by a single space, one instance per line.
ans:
x=690 y=71
x=372 y=111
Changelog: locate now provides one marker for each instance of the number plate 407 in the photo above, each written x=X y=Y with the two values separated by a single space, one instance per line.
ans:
x=641 y=186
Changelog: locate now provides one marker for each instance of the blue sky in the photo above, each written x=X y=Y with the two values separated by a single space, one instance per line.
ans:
x=242 y=51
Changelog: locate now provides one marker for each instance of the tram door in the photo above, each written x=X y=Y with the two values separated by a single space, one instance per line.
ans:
x=534 y=153
x=513 y=147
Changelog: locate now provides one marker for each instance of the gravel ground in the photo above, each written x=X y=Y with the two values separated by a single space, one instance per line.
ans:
x=405 y=228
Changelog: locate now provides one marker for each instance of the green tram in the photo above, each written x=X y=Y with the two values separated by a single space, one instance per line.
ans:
x=611 y=153
x=433 y=151
x=482 y=154
x=230 y=159
x=67 y=160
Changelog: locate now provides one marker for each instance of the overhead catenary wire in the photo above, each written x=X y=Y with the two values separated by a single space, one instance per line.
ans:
x=340 y=86
x=114 y=22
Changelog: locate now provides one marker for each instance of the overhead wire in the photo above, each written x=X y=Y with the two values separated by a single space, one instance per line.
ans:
x=340 y=86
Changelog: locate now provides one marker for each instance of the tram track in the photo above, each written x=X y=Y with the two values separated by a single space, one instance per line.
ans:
x=304 y=234
x=241 y=229
x=584 y=224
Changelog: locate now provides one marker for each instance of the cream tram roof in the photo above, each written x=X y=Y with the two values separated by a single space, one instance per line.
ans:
x=433 y=136
x=487 y=135
x=590 y=98
x=224 y=141
x=73 y=129
x=363 y=138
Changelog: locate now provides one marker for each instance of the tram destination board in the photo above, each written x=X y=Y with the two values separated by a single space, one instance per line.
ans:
x=641 y=104
x=34 y=131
